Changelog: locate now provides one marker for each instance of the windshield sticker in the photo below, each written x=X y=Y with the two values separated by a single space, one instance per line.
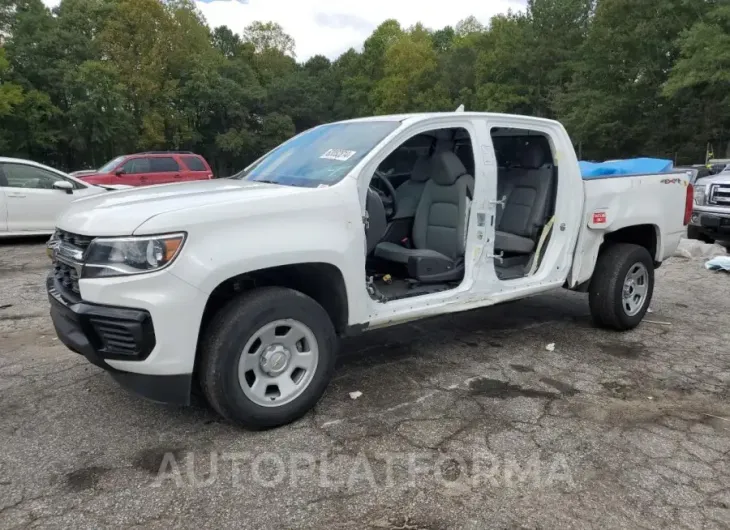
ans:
x=338 y=154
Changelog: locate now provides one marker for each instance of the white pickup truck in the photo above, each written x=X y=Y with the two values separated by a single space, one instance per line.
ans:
x=242 y=286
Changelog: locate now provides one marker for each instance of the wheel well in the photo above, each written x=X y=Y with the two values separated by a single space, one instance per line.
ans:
x=321 y=281
x=642 y=235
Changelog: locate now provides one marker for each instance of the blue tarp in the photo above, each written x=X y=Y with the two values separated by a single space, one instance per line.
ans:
x=617 y=168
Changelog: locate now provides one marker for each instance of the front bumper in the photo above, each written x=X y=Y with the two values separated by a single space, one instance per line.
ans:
x=103 y=333
x=713 y=225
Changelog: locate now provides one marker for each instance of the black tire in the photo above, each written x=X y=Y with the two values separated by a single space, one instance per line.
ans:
x=223 y=345
x=606 y=289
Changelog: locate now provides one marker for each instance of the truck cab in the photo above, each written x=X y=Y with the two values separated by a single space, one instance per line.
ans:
x=243 y=286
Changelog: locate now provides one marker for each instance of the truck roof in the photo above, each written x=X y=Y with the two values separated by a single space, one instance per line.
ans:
x=416 y=117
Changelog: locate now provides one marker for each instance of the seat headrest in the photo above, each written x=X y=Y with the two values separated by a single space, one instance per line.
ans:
x=533 y=156
x=421 y=171
x=446 y=168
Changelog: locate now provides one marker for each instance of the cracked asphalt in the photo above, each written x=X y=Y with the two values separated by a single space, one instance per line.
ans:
x=465 y=421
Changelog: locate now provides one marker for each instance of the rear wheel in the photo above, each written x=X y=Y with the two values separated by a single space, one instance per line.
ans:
x=622 y=286
x=267 y=357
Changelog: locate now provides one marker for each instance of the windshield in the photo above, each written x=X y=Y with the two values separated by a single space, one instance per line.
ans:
x=320 y=156
x=106 y=168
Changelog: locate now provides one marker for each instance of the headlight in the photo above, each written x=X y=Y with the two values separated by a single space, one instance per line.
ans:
x=699 y=195
x=123 y=256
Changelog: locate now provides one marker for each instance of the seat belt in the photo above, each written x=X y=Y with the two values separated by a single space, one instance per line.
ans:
x=469 y=199
x=538 y=251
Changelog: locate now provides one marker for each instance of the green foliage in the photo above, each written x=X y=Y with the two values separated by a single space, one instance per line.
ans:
x=266 y=36
x=93 y=79
x=11 y=94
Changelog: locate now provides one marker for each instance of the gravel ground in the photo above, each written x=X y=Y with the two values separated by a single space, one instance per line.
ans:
x=465 y=421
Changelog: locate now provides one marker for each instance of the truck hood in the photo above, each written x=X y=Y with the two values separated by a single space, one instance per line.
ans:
x=119 y=213
x=720 y=178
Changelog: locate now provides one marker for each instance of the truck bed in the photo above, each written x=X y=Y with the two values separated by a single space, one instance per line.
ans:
x=654 y=201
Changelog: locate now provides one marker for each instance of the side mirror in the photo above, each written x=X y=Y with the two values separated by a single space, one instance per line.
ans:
x=63 y=186
x=119 y=172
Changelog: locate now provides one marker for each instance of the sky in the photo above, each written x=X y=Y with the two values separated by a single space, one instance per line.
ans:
x=330 y=27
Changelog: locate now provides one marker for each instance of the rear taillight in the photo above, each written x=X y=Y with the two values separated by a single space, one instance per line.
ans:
x=210 y=176
x=689 y=201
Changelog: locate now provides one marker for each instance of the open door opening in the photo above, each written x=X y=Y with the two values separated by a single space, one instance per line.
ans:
x=527 y=183
x=418 y=209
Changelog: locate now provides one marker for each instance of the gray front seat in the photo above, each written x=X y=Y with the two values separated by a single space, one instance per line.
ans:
x=528 y=192
x=409 y=193
x=440 y=224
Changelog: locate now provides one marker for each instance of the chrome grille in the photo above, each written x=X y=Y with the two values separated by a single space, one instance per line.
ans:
x=720 y=194
x=68 y=251
x=82 y=242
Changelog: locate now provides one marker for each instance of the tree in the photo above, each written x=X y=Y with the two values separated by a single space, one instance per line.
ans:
x=98 y=112
x=443 y=39
x=226 y=42
x=613 y=105
x=410 y=69
x=376 y=46
x=701 y=75
x=11 y=94
x=468 y=26
x=503 y=69
x=92 y=79
x=266 y=36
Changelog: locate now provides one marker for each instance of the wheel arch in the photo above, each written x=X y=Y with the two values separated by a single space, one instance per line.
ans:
x=644 y=235
x=323 y=282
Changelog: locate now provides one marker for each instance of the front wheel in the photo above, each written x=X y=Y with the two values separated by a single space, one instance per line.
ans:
x=622 y=286
x=267 y=357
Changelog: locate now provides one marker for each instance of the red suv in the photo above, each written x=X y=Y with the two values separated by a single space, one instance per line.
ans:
x=151 y=167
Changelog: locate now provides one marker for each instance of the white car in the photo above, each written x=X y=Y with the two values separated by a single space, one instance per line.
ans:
x=242 y=286
x=33 y=195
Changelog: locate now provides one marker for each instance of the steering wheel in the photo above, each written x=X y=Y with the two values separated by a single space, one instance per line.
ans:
x=388 y=196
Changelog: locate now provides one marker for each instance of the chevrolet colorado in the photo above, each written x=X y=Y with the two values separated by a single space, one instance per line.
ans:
x=241 y=287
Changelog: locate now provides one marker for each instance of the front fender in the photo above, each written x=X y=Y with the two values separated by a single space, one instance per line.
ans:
x=224 y=244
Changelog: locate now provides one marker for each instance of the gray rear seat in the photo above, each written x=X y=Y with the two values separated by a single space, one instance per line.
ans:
x=528 y=192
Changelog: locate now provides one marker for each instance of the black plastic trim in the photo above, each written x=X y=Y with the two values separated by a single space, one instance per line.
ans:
x=713 y=225
x=78 y=327
x=74 y=324
x=169 y=389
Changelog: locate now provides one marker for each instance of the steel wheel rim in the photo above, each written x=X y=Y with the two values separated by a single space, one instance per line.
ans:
x=635 y=289
x=278 y=363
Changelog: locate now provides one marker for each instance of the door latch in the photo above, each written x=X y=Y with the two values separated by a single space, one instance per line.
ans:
x=366 y=220
x=501 y=202
x=497 y=257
